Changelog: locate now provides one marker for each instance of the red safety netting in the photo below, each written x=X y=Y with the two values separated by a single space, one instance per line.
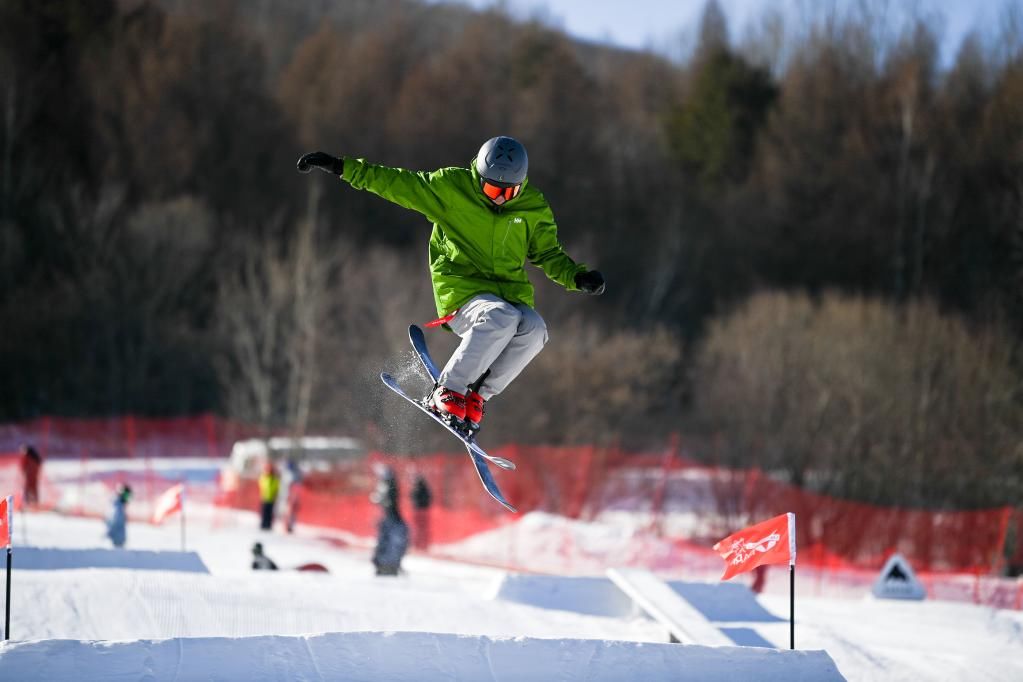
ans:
x=341 y=501
x=839 y=532
x=12 y=482
x=676 y=498
x=127 y=436
x=683 y=502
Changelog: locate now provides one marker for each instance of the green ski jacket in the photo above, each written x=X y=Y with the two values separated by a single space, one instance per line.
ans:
x=475 y=248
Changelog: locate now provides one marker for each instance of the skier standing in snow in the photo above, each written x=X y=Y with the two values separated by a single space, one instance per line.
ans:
x=487 y=222
x=386 y=491
x=421 y=500
x=291 y=482
x=117 y=522
x=31 y=466
x=392 y=541
x=269 y=485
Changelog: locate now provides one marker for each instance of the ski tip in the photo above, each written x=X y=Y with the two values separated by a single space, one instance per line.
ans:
x=504 y=503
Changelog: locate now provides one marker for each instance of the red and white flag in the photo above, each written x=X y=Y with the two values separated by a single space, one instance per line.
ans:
x=169 y=502
x=769 y=542
x=6 y=519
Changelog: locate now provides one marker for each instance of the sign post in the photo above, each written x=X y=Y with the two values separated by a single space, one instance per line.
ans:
x=6 y=534
x=769 y=542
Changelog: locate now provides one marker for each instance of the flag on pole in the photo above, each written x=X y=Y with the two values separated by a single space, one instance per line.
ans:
x=6 y=519
x=169 y=502
x=769 y=542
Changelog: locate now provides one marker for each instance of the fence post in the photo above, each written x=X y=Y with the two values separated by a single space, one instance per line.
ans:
x=129 y=432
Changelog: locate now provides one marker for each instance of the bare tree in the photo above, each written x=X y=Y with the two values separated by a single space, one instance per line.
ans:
x=865 y=399
x=273 y=313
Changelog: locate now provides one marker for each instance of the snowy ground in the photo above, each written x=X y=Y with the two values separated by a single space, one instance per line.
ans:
x=441 y=620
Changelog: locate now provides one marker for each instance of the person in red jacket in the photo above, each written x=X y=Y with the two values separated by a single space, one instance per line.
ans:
x=31 y=467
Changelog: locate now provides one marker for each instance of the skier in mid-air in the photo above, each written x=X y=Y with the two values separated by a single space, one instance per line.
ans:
x=487 y=222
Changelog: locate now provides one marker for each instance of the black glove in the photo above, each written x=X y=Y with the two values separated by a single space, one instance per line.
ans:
x=322 y=160
x=591 y=282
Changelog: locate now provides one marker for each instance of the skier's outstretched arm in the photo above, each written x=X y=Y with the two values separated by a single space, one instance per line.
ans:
x=410 y=189
x=546 y=252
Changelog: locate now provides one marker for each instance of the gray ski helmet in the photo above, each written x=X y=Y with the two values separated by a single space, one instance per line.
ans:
x=502 y=159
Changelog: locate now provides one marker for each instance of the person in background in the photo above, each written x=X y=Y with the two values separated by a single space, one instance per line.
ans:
x=392 y=541
x=421 y=499
x=269 y=486
x=31 y=468
x=260 y=561
x=291 y=481
x=386 y=492
x=117 y=522
x=759 y=579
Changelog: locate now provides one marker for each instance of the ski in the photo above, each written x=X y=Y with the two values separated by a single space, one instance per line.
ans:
x=476 y=454
x=418 y=339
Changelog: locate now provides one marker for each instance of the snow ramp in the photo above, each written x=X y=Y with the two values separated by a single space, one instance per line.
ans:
x=685 y=623
x=403 y=656
x=52 y=558
x=691 y=612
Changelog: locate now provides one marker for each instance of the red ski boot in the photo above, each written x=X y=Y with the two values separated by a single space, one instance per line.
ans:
x=474 y=409
x=448 y=403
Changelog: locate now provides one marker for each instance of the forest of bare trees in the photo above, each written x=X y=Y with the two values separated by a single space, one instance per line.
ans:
x=812 y=234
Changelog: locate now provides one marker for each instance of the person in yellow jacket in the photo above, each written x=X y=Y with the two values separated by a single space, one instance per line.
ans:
x=269 y=485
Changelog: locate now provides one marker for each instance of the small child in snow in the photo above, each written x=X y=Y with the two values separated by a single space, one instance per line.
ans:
x=260 y=561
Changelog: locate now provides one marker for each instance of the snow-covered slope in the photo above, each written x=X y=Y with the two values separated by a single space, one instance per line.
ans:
x=441 y=620
x=405 y=656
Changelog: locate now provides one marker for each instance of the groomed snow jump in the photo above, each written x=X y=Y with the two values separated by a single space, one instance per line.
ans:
x=403 y=656
x=53 y=558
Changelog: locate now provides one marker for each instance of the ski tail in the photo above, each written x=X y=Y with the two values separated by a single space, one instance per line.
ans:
x=418 y=339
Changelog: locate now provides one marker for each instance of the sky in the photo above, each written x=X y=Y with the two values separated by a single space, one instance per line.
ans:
x=657 y=24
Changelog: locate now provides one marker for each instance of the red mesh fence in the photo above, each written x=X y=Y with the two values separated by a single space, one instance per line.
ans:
x=127 y=436
x=863 y=535
x=671 y=497
x=1016 y=539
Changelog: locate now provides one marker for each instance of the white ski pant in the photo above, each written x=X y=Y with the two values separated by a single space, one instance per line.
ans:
x=496 y=335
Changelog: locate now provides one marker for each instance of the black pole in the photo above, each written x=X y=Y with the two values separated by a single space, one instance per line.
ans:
x=7 y=617
x=792 y=606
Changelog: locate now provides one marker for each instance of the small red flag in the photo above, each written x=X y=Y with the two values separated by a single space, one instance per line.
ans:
x=769 y=542
x=168 y=503
x=6 y=518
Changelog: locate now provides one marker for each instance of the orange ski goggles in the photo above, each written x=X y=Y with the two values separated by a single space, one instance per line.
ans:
x=500 y=192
